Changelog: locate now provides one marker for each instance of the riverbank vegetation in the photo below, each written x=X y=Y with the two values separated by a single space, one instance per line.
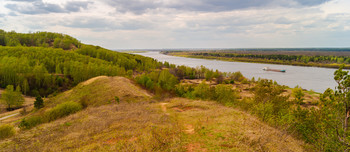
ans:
x=299 y=58
x=85 y=85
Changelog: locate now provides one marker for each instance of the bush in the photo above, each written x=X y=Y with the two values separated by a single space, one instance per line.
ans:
x=224 y=94
x=116 y=99
x=298 y=94
x=184 y=90
x=84 y=101
x=6 y=131
x=62 y=110
x=202 y=91
x=237 y=76
x=264 y=111
x=30 y=122
x=39 y=102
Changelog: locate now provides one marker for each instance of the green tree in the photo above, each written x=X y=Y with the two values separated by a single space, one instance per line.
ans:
x=12 y=98
x=225 y=94
x=298 y=94
x=25 y=86
x=209 y=75
x=166 y=80
x=341 y=106
x=39 y=102
x=202 y=91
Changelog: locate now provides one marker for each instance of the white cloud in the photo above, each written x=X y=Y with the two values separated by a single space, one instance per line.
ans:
x=168 y=24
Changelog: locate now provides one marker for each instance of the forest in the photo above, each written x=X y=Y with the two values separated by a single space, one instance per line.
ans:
x=299 y=58
x=45 y=68
x=34 y=65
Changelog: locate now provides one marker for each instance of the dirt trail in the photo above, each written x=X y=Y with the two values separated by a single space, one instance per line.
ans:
x=163 y=107
x=189 y=128
x=9 y=116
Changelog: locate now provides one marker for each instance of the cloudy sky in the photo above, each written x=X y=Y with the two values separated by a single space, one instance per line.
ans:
x=156 y=24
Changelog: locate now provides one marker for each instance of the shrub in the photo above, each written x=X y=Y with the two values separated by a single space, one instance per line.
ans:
x=245 y=81
x=62 y=110
x=202 y=91
x=264 y=111
x=237 y=76
x=116 y=99
x=166 y=80
x=271 y=105
x=28 y=123
x=224 y=94
x=298 y=94
x=84 y=101
x=6 y=131
x=184 y=90
x=39 y=102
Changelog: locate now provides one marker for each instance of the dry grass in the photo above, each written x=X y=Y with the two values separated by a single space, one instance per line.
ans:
x=102 y=90
x=219 y=128
x=136 y=124
x=116 y=127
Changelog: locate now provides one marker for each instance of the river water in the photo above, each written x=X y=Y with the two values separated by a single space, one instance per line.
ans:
x=317 y=79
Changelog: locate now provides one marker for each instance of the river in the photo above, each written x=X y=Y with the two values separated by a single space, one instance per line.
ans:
x=310 y=78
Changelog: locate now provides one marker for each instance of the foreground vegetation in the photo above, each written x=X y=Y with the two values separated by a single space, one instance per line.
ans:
x=301 y=58
x=138 y=123
x=117 y=115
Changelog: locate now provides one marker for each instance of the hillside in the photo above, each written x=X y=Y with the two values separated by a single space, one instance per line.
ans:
x=139 y=123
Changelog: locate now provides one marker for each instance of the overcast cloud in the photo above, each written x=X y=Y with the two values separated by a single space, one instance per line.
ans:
x=128 y=24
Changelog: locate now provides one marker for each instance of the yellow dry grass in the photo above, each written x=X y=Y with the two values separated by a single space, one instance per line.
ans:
x=101 y=90
x=139 y=124
x=116 y=127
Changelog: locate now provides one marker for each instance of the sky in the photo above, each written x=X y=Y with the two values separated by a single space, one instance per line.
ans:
x=160 y=24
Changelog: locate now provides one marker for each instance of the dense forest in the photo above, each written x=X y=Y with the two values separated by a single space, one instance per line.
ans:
x=47 y=66
x=39 y=39
x=330 y=61
x=40 y=67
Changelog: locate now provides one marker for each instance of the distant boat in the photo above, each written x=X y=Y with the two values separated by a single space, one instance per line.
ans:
x=275 y=70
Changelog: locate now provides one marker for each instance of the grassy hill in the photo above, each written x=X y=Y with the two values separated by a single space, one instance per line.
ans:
x=139 y=123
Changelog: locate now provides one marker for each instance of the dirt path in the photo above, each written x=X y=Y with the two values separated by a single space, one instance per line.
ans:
x=9 y=116
x=163 y=107
x=188 y=127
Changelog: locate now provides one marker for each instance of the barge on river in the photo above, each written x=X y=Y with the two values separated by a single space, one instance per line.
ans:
x=274 y=70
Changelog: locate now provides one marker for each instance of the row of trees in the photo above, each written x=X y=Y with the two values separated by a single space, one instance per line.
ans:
x=279 y=57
